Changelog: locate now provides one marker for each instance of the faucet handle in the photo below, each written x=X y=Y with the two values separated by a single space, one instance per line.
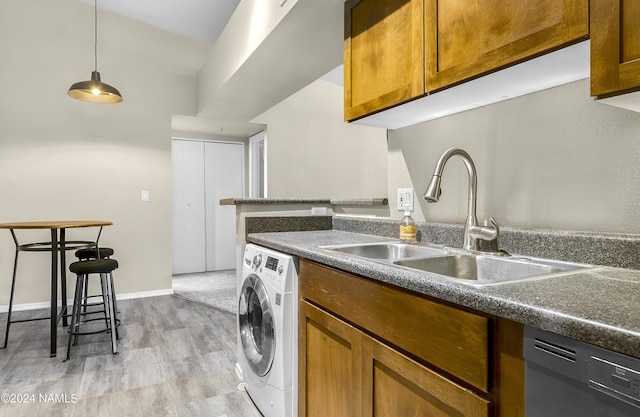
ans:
x=494 y=223
x=488 y=236
x=486 y=232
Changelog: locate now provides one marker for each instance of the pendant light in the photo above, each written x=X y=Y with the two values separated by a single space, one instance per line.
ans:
x=94 y=90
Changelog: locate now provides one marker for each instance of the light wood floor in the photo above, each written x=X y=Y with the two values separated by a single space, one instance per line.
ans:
x=176 y=358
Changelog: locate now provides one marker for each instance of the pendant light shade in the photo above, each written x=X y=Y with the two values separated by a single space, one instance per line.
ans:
x=94 y=90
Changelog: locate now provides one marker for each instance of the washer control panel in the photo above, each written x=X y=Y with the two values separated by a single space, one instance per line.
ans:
x=271 y=265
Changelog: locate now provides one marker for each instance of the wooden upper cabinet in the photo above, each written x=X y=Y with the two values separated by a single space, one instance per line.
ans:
x=469 y=38
x=383 y=54
x=615 y=47
x=399 y=50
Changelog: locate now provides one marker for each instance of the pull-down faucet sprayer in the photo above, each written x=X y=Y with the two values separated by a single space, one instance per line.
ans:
x=473 y=233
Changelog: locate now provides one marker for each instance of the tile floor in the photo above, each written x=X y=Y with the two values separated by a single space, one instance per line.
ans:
x=176 y=358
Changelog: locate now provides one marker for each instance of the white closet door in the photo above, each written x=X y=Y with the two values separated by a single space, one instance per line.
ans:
x=188 y=206
x=223 y=179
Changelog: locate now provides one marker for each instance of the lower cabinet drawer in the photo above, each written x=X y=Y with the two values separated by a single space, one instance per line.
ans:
x=399 y=386
x=348 y=373
x=451 y=339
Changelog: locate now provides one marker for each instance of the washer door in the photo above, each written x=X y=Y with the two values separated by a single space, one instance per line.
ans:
x=257 y=331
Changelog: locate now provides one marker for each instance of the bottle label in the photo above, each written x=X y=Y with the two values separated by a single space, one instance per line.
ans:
x=407 y=233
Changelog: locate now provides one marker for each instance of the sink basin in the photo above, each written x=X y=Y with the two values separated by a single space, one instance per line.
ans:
x=388 y=251
x=470 y=268
x=482 y=270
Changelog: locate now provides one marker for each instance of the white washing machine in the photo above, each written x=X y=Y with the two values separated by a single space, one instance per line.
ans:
x=268 y=330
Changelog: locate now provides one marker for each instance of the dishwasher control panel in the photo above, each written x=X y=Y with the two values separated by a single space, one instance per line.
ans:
x=615 y=379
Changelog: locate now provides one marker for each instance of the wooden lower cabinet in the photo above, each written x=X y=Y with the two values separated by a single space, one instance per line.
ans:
x=394 y=385
x=330 y=366
x=345 y=369
x=348 y=373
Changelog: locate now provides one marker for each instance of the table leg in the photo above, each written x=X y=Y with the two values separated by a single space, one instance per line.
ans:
x=63 y=276
x=54 y=291
x=13 y=287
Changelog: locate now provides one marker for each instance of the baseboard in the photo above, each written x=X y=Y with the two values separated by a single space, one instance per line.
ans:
x=128 y=296
x=145 y=294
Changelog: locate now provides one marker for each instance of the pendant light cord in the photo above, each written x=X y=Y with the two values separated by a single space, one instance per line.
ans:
x=94 y=90
x=95 y=34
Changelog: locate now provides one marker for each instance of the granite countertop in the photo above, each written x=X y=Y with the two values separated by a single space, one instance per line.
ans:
x=288 y=201
x=600 y=306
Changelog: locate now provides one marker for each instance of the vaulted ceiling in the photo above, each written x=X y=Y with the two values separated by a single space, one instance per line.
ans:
x=203 y=20
x=303 y=48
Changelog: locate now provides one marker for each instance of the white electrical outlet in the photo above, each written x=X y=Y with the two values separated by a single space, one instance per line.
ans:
x=144 y=195
x=405 y=199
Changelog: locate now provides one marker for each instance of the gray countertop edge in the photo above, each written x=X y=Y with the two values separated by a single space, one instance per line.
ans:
x=360 y=201
x=280 y=201
x=599 y=306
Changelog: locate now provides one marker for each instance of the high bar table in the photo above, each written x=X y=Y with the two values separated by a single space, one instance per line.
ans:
x=57 y=246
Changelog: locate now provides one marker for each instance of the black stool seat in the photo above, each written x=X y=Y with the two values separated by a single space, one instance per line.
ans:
x=92 y=253
x=83 y=270
x=94 y=266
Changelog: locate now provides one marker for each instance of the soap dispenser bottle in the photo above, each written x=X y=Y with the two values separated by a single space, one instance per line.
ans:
x=407 y=228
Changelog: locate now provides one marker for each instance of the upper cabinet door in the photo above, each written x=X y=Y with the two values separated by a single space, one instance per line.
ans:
x=383 y=54
x=615 y=47
x=469 y=38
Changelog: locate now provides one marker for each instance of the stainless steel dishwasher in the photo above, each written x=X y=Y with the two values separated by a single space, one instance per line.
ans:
x=568 y=378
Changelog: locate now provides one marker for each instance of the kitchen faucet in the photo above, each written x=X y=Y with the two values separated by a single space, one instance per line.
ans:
x=476 y=238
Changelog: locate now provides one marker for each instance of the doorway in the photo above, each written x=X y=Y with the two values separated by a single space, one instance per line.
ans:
x=258 y=165
x=204 y=172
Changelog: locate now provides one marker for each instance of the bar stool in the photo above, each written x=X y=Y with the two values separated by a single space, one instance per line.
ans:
x=83 y=270
x=96 y=253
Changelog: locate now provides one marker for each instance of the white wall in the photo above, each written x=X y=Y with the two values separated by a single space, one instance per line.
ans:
x=312 y=153
x=268 y=52
x=66 y=159
x=553 y=159
x=250 y=24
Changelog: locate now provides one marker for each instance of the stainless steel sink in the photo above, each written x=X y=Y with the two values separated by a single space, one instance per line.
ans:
x=388 y=251
x=462 y=266
x=485 y=270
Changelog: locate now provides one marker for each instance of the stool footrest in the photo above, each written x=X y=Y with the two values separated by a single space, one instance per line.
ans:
x=84 y=333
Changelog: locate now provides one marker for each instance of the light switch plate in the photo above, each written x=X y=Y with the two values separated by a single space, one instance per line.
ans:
x=405 y=199
x=144 y=195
